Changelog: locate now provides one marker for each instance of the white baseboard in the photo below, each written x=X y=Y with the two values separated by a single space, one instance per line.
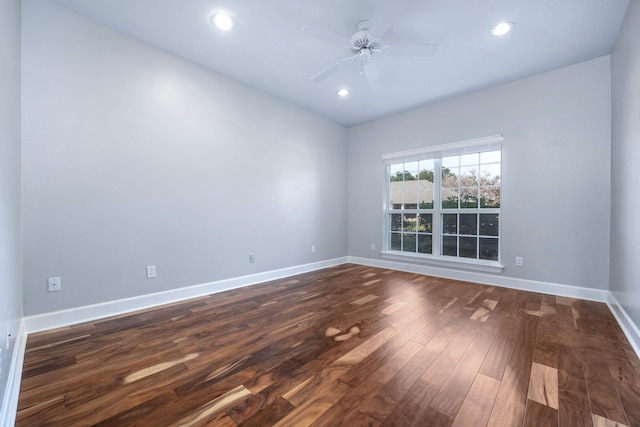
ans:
x=627 y=325
x=58 y=319
x=599 y=295
x=12 y=390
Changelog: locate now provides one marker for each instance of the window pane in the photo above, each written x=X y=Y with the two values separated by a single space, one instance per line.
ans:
x=410 y=175
x=469 y=197
x=450 y=245
x=425 y=205
x=449 y=223
x=426 y=223
x=409 y=242
x=490 y=174
x=490 y=197
x=450 y=177
x=403 y=176
x=395 y=168
x=425 y=243
x=469 y=176
x=488 y=248
x=468 y=247
x=395 y=194
x=491 y=157
x=451 y=161
x=396 y=241
x=396 y=176
x=427 y=164
x=449 y=199
x=425 y=175
x=411 y=167
x=468 y=224
x=410 y=194
x=409 y=222
x=469 y=159
x=425 y=195
x=489 y=225
x=396 y=222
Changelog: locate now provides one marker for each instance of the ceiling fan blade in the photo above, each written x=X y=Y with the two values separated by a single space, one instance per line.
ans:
x=332 y=69
x=425 y=50
x=373 y=75
x=325 y=35
x=385 y=16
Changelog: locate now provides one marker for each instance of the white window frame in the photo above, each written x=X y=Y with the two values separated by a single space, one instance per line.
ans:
x=437 y=152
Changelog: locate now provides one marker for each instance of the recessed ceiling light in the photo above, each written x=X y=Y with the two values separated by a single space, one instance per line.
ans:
x=222 y=21
x=343 y=92
x=502 y=28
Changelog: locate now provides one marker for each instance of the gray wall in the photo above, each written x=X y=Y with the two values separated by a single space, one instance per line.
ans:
x=556 y=169
x=135 y=157
x=10 y=250
x=625 y=153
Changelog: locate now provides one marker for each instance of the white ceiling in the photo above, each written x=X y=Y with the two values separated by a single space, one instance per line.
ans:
x=267 y=51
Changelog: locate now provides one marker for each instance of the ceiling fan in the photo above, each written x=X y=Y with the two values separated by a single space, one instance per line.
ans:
x=365 y=45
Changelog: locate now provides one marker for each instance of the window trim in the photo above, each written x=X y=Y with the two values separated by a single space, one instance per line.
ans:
x=487 y=143
x=481 y=265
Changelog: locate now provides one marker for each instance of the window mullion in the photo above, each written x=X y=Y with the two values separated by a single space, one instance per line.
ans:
x=437 y=226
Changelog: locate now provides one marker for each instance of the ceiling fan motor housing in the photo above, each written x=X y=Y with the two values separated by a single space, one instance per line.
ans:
x=363 y=40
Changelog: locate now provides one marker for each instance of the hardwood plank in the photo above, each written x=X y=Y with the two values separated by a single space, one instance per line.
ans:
x=543 y=385
x=143 y=410
x=454 y=390
x=603 y=395
x=435 y=419
x=384 y=400
x=510 y=403
x=416 y=402
x=630 y=396
x=365 y=299
x=500 y=351
x=477 y=404
x=539 y=415
x=269 y=415
x=347 y=406
x=316 y=397
x=573 y=402
x=599 y=421
x=509 y=408
x=482 y=313
x=208 y=411
x=394 y=307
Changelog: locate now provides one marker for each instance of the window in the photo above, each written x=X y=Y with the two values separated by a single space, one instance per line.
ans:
x=443 y=203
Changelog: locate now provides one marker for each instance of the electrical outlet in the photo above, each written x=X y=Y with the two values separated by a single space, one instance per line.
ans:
x=313 y=249
x=373 y=246
x=252 y=258
x=54 y=284
x=519 y=261
x=151 y=271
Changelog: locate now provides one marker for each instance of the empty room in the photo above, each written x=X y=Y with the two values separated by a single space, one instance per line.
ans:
x=327 y=213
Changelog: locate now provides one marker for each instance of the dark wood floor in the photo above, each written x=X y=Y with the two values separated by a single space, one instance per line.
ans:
x=349 y=345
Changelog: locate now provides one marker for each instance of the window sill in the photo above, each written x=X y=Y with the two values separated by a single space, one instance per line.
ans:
x=447 y=262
